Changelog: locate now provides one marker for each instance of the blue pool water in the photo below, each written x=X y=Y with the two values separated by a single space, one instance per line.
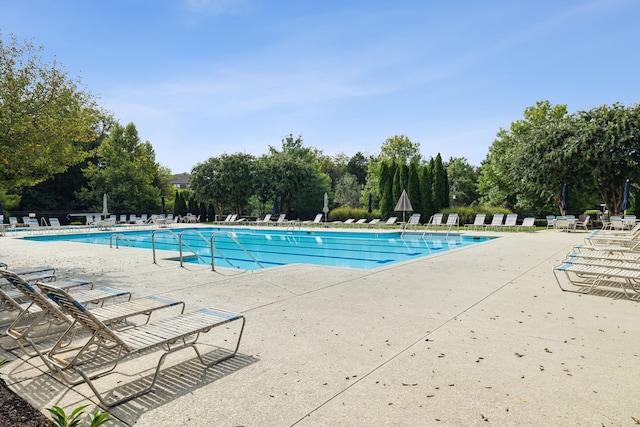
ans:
x=366 y=250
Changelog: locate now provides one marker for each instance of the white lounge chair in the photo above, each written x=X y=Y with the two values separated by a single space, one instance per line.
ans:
x=24 y=330
x=584 y=224
x=435 y=221
x=266 y=219
x=551 y=221
x=316 y=220
x=478 y=222
x=414 y=221
x=528 y=223
x=391 y=221
x=496 y=221
x=452 y=220
x=165 y=335
x=373 y=222
x=510 y=222
x=282 y=219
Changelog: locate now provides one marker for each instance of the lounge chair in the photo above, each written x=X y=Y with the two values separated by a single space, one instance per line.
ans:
x=13 y=299
x=478 y=222
x=551 y=221
x=510 y=222
x=584 y=224
x=167 y=335
x=361 y=221
x=529 y=223
x=265 y=220
x=373 y=222
x=316 y=220
x=282 y=219
x=30 y=270
x=496 y=221
x=588 y=275
x=414 y=221
x=435 y=221
x=13 y=222
x=391 y=221
x=452 y=220
x=24 y=330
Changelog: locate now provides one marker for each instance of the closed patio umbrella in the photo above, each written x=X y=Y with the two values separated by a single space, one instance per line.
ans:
x=404 y=204
x=369 y=207
x=325 y=206
x=565 y=199
x=626 y=203
x=105 y=210
x=276 y=210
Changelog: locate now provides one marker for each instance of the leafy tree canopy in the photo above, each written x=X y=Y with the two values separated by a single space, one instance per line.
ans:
x=45 y=118
x=126 y=170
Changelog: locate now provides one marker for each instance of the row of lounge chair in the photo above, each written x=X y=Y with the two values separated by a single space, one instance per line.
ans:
x=608 y=263
x=318 y=220
x=83 y=333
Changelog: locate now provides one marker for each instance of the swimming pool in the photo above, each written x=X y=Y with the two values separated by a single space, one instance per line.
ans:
x=364 y=250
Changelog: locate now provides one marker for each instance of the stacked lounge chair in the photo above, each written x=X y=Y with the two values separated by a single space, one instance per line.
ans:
x=608 y=263
x=89 y=343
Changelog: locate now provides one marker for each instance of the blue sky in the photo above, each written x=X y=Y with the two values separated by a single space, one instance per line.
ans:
x=203 y=77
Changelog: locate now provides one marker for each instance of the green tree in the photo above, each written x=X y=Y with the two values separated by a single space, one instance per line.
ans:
x=208 y=184
x=399 y=148
x=426 y=190
x=463 y=179
x=607 y=140
x=45 y=118
x=387 y=172
x=180 y=205
x=348 y=191
x=413 y=188
x=238 y=170
x=126 y=170
x=59 y=191
x=358 y=166
x=440 y=184
x=298 y=181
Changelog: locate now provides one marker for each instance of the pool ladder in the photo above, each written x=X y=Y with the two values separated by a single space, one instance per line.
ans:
x=118 y=237
x=182 y=244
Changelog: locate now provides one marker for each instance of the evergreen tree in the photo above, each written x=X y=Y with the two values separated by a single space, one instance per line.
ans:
x=387 y=171
x=413 y=188
x=426 y=190
x=404 y=177
x=440 y=185
x=397 y=183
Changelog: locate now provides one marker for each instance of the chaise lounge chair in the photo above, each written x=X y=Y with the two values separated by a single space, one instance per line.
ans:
x=24 y=329
x=414 y=221
x=434 y=221
x=167 y=335
x=478 y=222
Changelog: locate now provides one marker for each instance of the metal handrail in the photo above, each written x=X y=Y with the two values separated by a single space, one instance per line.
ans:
x=232 y=237
x=118 y=237
x=204 y=239
x=180 y=243
x=210 y=241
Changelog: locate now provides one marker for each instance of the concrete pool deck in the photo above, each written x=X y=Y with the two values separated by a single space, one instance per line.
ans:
x=475 y=336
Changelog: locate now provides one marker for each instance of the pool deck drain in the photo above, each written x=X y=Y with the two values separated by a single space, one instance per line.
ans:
x=475 y=336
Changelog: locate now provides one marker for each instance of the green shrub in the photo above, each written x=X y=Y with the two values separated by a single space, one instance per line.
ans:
x=344 y=213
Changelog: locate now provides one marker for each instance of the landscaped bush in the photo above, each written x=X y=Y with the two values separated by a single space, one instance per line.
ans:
x=344 y=213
